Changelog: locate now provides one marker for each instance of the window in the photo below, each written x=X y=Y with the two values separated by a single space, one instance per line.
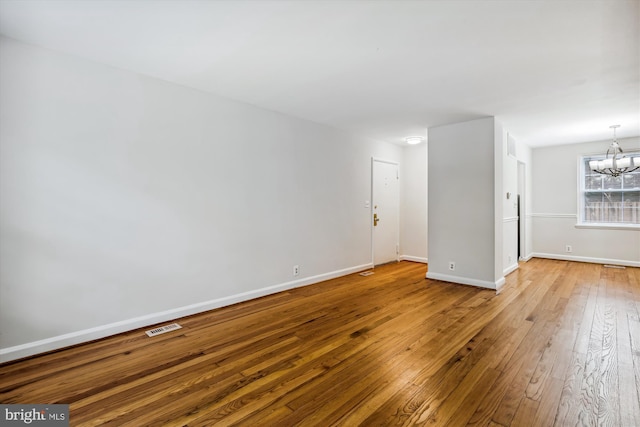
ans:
x=609 y=200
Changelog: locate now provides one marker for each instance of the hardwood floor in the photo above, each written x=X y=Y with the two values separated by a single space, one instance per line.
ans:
x=559 y=346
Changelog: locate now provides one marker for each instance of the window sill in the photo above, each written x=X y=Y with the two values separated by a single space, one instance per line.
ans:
x=635 y=227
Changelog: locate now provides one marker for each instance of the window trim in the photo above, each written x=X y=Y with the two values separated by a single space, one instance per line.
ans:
x=608 y=226
x=581 y=200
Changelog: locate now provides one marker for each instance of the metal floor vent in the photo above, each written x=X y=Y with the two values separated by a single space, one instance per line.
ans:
x=163 y=329
x=615 y=266
x=366 y=273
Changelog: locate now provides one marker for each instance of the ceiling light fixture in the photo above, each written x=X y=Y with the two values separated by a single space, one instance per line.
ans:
x=413 y=140
x=616 y=163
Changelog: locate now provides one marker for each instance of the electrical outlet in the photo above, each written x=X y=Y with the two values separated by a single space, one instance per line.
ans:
x=452 y=265
x=568 y=248
x=296 y=270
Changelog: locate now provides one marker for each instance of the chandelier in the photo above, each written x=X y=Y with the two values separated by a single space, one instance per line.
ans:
x=616 y=163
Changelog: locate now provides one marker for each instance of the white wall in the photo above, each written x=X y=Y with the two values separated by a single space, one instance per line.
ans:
x=413 y=221
x=127 y=200
x=555 y=209
x=465 y=211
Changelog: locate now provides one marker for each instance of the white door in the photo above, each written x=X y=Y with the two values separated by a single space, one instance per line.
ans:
x=385 y=211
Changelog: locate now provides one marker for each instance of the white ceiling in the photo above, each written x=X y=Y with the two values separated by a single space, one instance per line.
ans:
x=553 y=71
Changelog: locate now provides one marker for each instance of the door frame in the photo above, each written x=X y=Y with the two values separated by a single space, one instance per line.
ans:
x=522 y=211
x=397 y=164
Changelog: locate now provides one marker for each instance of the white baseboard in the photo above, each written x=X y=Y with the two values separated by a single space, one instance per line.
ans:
x=563 y=257
x=78 y=337
x=526 y=257
x=510 y=269
x=467 y=281
x=413 y=258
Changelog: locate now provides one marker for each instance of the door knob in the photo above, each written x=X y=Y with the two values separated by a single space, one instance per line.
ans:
x=375 y=219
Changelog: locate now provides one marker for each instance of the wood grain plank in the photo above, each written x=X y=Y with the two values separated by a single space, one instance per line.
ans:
x=588 y=404
x=608 y=396
x=568 y=407
x=627 y=377
x=548 y=405
x=525 y=413
x=509 y=387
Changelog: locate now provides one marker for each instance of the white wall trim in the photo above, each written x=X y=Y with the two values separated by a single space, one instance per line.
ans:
x=466 y=281
x=609 y=226
x=78 y=337
x=526 y=257
x=413 y=258
x=587 y=259
x=551 y=215
x=381 y=160
x=510 y=219
x=510 y=269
